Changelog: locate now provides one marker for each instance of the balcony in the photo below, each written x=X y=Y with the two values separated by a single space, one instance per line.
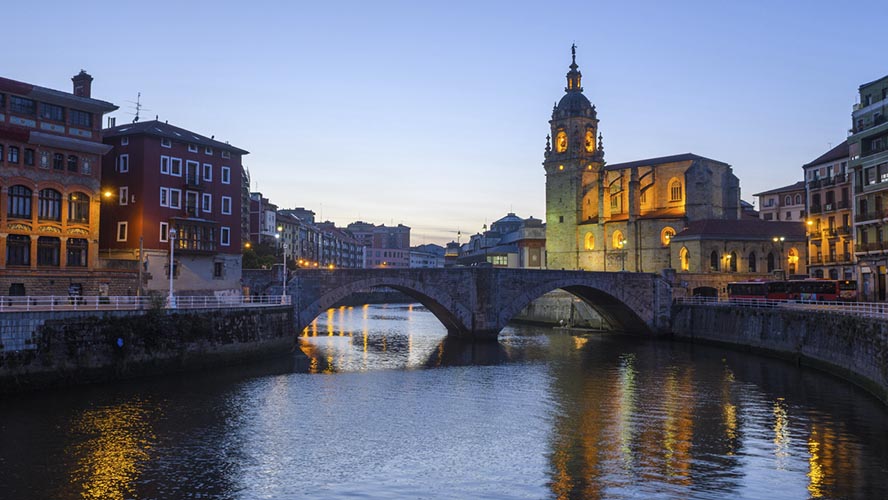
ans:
x=845 y=257
x=870 y=215
x=842 y=205
x=193 y=182
x=877 y=246
x=829 y=207
x=845 y=230
x=816 y=209
x=830 y=259
x=817 y=259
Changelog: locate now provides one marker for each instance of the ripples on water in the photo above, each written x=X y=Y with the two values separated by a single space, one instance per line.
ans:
x=391 y=409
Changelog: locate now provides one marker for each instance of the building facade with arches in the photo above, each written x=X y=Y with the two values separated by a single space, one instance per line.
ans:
x=602 y=217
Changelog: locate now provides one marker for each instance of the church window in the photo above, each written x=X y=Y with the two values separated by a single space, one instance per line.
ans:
x=675 y=190
x=589 y=241
x=666 y=235
x=732 y=262
x=619 y=241
x=615 y=203
x=752 y=262
x=561 y=141
x=685 y=259
x=590 y=141
x=713 y=261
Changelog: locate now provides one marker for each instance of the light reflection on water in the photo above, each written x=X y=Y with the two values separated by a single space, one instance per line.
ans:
x=392 y=409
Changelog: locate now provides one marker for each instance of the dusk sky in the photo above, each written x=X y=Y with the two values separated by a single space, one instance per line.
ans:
x=435 y=114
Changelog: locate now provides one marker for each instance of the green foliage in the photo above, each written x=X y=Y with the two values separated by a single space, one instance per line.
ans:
x=261 y=256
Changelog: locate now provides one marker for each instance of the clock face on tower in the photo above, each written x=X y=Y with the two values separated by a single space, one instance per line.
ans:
x=590 y=141
x=561 y=142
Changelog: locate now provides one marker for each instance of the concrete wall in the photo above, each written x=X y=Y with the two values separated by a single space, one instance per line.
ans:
x=850 y=346
x=49 y=349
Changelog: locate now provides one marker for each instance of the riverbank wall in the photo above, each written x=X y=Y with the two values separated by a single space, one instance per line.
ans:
x=52 y=349
x=853 y=347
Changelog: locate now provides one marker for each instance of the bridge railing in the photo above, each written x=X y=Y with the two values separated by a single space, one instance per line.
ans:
x=125 y=302
x=864 y=309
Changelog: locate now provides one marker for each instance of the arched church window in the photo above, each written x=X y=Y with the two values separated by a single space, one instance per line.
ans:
x=561 y=141
x=798 y=199
x=733 y=262
x=666 y=236
x=589 y=241
x=684 y=257
x=771 y=265
x=751 y=266
x=787 y=200
x=713 y=261
x=619 y=240
x=590 y=141
x=675 y=190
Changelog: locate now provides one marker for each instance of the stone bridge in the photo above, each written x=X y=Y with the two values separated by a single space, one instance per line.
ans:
x=478 y=302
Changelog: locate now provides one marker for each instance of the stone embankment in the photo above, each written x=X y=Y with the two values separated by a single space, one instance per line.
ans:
x=49 y=349
x=853 y=347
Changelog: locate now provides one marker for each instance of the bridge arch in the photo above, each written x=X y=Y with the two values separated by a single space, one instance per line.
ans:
x=614 y=310
x=456 y=317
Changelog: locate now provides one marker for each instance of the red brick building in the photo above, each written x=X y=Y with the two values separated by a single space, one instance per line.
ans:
x=50 y=153
x=160 y=177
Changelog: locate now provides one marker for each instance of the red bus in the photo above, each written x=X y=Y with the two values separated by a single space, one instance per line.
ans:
x=819 y=289
x=759 y=290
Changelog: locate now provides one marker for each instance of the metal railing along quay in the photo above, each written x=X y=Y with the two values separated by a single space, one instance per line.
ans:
x=863 y=309
x=117 y=303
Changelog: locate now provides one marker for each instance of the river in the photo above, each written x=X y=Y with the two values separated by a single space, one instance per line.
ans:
x=386 y=408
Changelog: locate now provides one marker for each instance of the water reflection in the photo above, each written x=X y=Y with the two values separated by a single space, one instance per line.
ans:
x=403 y=412
x=112 y=449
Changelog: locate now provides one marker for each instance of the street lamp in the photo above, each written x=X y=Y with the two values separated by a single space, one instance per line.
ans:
x=173 y=234
x=623 y=254
x=779 y=239
x=284 y=274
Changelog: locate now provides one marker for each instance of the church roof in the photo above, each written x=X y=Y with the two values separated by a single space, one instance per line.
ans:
x=573 y=103
x=652 y=162
x=748 y=229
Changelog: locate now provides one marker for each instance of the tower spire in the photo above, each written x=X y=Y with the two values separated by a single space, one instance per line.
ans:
x=574 y=76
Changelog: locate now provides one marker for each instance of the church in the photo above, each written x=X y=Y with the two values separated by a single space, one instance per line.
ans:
x=624 y=217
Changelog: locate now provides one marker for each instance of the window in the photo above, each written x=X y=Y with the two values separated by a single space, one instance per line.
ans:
x=226 y=236
x=675 y=190
x=164 y=197
x=124 y=195
x=29 y=157
x=175 y=198
x=18 y=250
x=1 y=153
x=192 y=172
x=22 y=106
x=176 y=167
x=226 y=205
x=206 y=202
x=618 y=241
x=81 y=118
x=208 y=151
x=752 y=262
x=226 y=175
x=191 y=203
x=52 y=112
x=121 y=231
x=76 y=252
x=207 y=172
x=164 y=232
x=123 y=163
x=589 y=241
x=48 y=249
x=771 y=265
x=12 y=154
x=684 y=257
x=787 y=200
x=733 y=262
x=226 y=154
x=798 y=199
x=19 y=202
x=788 y=216
x=78 y=208
x=218 y=268
x=560 y=218
x=713 y=261
x=72 y=163
x=666 y=236
x=124 y=141
x=192 y=148
x=165 y=165
x=58 y=161
x=615 y=203
x=49 y=205
x=166 y=143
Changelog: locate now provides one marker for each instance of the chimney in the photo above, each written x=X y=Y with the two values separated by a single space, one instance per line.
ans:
x=82 y=84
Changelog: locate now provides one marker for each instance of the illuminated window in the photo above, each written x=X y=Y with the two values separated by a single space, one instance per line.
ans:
x=618 y=240
x=589 y=241
x=675 y=190
x=561 y=141
x=684 y=257
x=666 y=235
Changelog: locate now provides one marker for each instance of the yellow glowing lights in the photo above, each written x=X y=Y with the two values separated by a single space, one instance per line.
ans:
x=561 y=141
x=560 y=167
x=107 y=194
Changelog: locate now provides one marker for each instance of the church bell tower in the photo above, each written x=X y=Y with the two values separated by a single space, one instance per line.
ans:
x=574 y=161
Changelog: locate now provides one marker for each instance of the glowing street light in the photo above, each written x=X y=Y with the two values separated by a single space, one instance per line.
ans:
x=173 y=234
x=623 y=253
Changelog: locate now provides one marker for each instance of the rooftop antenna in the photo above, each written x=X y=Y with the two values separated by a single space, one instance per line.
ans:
x=138 y=107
